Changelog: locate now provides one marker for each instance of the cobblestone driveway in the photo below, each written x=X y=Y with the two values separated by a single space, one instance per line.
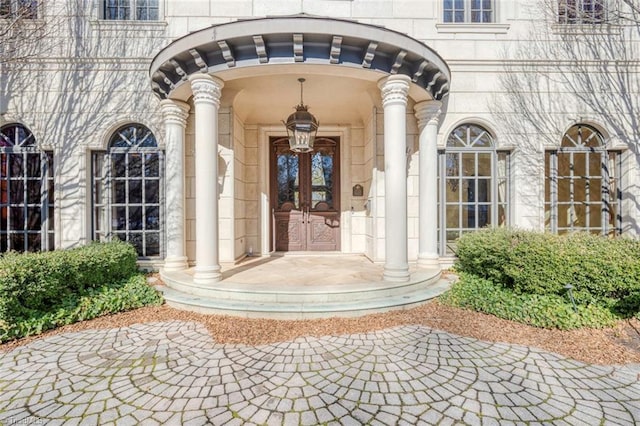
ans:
x=173 y=373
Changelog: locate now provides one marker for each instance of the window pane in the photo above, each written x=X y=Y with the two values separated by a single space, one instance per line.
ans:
x=135 y=165
x=453 y=218
x=16 y=191
x=16 y=163
x=135 y=218
x=33 y=218
x=152 y=191
x=147 y=10
x=152 y=244
x=16 y=241
x=151 y=166
x=119 y=164
x=152 y=218
x=120 y=192
x=33 y=242
x=595 y=190
x=33 y=192
x=135 y=191
x=119 y=218
x=136 y=240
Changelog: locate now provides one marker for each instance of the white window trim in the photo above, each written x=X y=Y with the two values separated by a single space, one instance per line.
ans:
x=467 y=13
x=132 y=19
x=472 y=27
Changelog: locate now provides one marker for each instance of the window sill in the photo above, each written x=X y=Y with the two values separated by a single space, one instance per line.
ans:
x=472 y=27
x=109 y=24
x=603 y=28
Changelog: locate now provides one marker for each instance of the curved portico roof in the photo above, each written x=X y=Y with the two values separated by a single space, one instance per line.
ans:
x=298 y=39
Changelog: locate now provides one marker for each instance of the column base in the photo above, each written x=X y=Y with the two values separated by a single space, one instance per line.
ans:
x=206 y=275
x=396 y=274
x=428 y=260
x=176 y=263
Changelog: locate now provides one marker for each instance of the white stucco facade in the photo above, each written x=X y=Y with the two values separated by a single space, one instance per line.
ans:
x=215 y=112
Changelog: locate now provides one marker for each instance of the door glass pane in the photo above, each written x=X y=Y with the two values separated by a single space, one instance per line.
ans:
x=287 y=178
x=322 y=178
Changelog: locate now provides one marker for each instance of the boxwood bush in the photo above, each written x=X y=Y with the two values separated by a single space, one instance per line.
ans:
x=34 y=286
x=132 y=293
x=547 y=311
x=601 y=271
x=597 y=267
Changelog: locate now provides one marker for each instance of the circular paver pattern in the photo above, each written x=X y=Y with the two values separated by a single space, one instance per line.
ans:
x=175 y=373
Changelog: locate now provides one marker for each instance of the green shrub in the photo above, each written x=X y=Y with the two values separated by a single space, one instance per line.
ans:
x=548 y=311
x=131 y=293
x=31 y=283
x=598 y=268
x=484 y=253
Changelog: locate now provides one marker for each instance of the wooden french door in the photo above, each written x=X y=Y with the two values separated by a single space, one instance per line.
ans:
x=305 y=196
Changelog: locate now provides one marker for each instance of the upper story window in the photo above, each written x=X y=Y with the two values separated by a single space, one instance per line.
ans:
x=18 y=9
x=473 y=11
x=581 y=11
x=126 y=10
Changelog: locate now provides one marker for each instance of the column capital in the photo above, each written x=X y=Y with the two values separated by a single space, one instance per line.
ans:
x=206 y=89
x=394 y=89
x=175 y=112
x=427 y=111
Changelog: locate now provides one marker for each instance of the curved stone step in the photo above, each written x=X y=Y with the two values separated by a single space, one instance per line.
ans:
x=308 y=308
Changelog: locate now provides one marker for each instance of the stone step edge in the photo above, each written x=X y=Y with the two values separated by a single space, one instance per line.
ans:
x=291 y=310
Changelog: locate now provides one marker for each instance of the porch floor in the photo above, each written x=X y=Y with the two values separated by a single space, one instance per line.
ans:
x=302 y=285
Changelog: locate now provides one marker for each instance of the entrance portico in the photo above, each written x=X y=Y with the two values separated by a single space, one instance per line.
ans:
x=225 y=90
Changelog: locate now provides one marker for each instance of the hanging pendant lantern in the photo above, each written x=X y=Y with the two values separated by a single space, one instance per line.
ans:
x=301 y=126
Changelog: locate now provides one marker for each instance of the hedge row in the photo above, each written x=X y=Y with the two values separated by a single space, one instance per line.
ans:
x=33 y=283
x=600 y=270
x=131 y=293
x=547 y=311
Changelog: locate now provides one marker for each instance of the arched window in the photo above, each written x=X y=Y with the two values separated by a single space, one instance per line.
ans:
x=26 y=192
x=473 y=185
x=581 y=184
x=127 y=190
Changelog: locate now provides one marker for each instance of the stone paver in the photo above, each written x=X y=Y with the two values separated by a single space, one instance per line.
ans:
x=175 y=373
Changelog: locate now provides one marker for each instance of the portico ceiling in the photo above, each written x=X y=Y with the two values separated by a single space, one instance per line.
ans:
x=326 y=46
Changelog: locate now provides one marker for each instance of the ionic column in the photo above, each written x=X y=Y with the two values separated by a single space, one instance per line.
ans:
x=175 y=122
x=427 y=114
x=394 y=91
x=206 y=99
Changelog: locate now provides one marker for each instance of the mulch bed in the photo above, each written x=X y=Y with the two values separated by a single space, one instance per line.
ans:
x=617 y=345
